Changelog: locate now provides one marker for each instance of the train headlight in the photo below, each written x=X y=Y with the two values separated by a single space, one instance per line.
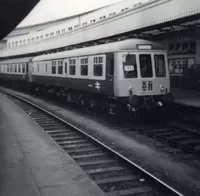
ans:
x=162 y=88
x=130 y=89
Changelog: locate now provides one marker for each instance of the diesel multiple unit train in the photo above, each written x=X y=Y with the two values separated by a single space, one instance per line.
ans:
x=125 y=74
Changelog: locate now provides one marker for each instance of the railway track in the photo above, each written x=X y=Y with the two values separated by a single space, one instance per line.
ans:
x=111 y=171
x=174 y=138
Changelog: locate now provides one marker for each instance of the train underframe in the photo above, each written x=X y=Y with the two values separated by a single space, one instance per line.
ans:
x=134 y=105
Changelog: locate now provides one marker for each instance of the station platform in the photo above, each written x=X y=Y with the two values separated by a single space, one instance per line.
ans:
x=186 y=97
x=32 y=164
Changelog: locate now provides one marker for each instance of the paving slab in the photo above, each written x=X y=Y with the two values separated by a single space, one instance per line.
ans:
x=32 y=164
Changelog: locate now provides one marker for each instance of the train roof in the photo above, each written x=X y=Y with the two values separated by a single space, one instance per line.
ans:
x=20 y=60
x=126 y=45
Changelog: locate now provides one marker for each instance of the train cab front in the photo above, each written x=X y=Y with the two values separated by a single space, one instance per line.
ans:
x=144 y=80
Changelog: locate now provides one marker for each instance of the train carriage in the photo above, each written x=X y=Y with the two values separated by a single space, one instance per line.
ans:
x=16 y=70
x=109 y=75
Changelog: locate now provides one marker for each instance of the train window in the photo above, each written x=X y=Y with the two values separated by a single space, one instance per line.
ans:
x=72 y=69
x=72 y=66
x=53 y=68
x=10 y=69
x=23 y=68
x=160 y=65
x=98 y=59
x=19 y=68
x=65 y=67
x=146 y=66
x=98 y=70
x=84 y=66
x=84 y=70
x=60 y=67
x=130 y=66
x=98 y=66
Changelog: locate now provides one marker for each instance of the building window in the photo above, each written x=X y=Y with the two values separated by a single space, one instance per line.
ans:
x=37 y=38
x=70 y=28
x=46 y=67
x=63 y=30
x=15 y=68
x=192 y=48
x=84 y=66
x=98 y=66
x=38 y=68
x=57 y=32
x=72 y=66
x=171 y=49
x=52 y=34
x=41 y=36
x=47 y=35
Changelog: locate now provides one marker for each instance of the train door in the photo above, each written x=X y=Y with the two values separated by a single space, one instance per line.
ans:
x=109 y=87
x=66 y=66
x=29 y=70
